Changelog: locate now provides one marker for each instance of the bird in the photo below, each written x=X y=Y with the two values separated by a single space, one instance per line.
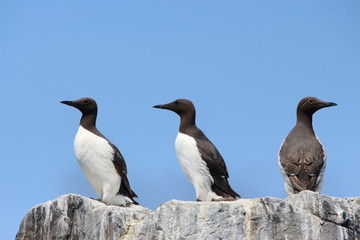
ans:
x=100 y=160
x=199 y=159
x=302 y=158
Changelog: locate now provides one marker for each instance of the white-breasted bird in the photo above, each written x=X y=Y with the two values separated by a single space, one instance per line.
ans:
x=201 y=162
x=99 y=159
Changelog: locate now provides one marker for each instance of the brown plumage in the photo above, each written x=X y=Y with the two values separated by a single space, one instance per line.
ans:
x=302 y=158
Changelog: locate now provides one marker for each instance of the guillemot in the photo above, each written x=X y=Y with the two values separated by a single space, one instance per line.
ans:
x=99 y=159
x=201 y=162
x=302 y=158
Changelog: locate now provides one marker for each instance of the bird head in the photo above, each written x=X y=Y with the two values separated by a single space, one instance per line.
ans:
x=309 y=105
x=85 y=105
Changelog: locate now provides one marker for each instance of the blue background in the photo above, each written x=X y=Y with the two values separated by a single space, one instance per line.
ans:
x=244 y=64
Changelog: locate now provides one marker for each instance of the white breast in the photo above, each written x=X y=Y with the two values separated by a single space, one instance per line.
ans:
x=194 y=167
x=94 y=155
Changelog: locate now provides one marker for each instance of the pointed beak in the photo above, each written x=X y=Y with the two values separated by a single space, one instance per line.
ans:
x=159 y=106
x=328 y=104
x=163 y=106
x=70 y=103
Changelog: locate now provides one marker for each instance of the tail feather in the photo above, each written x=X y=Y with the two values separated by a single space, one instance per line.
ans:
x=124 y=191
x=222 y=188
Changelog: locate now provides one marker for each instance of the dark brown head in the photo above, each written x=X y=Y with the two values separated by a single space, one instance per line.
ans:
x=183 y=107
x=309 y=105
x=88 y=108
x=85 y=105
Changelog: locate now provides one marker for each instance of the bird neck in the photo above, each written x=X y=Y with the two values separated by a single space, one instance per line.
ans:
x=187 y=120
x=305 y=120
x=88 y=121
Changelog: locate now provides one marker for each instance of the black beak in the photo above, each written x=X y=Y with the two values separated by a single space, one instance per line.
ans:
x=164 y=106
x=329 y=104
x=159 y=106
x=70 y=103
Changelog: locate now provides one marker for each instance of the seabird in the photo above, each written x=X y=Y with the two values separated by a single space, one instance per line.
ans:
x=201 y=162
x=302 y=158
x=99 y=159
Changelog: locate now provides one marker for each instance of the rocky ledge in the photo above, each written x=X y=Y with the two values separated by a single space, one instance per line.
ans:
x=307 y=215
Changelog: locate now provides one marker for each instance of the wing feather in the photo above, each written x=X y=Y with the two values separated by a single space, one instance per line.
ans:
x=302 y=162
x=120 y=166
x=215 y=163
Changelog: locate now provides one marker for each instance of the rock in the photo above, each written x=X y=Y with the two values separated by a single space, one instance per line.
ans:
x=306 y=215
x=75 y=217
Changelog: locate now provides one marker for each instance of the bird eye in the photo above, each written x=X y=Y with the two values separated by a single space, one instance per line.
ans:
x=86 y=101
x=310 y=101
x=177 y=102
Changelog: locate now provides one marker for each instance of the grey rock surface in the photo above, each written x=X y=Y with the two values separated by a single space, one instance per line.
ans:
x=76 y=217
x=307 y=215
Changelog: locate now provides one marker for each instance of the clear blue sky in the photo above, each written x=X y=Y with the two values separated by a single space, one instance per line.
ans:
x=244 y=64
